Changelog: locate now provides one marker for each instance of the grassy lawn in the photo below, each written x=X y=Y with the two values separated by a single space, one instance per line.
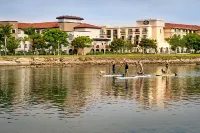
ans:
x=131 y=56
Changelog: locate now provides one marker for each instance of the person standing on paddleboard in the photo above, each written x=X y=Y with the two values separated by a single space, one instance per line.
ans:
x=126 y=68
x=113 y=67
x=166 y=71
x=167 y=68
x=141 y=68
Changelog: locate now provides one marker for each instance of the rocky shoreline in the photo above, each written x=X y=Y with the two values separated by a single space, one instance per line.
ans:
x=87 y=61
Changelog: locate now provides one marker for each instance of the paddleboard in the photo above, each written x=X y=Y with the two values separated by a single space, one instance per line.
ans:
x=165 y=75
x=133 y=76
x=142 y=75
x=126 y=77
x=113 y=75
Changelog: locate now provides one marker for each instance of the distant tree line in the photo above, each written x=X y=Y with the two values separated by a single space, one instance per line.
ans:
x=190 y=42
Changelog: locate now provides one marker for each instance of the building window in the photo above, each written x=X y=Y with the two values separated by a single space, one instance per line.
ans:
x=115 y=37
x=71 y=37
x=137 y=30
x=144 y=36
x=114 y=32
x=25 y=45
x=137 y=37
x=19 y=31
x=37 y=31
x=13 y=31
x=123 y=30
x=130 y=30
x=144 y=30
x=129 y=37
x=19 y=46
x=108 y=32
x=160 y=31
x=123 y=37
x=102 y=31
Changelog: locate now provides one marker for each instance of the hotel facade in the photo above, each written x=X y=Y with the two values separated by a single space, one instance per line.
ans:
x=156 y=29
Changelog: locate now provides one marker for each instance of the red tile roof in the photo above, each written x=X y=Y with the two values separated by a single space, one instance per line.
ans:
x=69 y=17
x=182 y=26
x=43 y=25
x=84 y=25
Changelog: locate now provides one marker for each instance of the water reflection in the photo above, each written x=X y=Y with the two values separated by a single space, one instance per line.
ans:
x=69 y=92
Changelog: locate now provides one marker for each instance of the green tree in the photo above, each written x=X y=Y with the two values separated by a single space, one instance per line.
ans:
x=146 y=43
x=31 y=35
x=129 y=45
x=117 y=44
x=192 y=41
x=39 y=43
x=81 y=42
x=1 y=42
x=175 y=41
x=12 y=44
x=5 y=30
x=23 y=40
x=56 y=37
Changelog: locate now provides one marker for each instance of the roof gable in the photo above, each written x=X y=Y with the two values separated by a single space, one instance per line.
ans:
x=84 y=25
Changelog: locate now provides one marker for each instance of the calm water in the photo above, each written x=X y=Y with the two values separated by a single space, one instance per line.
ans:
x=78 y=100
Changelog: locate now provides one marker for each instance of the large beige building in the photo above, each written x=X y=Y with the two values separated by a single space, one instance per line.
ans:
x=73 y=25
x=148 y=28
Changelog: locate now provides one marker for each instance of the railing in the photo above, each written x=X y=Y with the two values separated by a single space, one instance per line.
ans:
x=130 y=32
x=108 y=36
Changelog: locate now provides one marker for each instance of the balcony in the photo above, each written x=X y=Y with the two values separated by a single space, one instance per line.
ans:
x=137 y=31
x=130 y=32
x=108 y=36
x=123 y=32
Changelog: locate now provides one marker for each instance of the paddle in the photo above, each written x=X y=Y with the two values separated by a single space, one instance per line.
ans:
x=109 y=69
x=173 y=72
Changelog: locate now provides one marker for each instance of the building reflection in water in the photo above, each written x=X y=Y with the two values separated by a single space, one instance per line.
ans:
x=74 y=90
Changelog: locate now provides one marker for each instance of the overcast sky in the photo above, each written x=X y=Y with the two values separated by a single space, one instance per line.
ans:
x=102 y=12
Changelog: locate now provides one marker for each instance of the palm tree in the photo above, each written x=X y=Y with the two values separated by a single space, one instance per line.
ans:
x=1 y=42
x=6 y=32
x=24 y=41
